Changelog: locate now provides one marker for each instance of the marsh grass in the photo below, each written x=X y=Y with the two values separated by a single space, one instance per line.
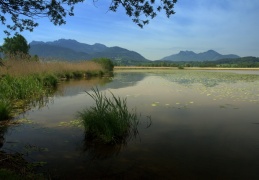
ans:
x=109 y=121
x=24 y=68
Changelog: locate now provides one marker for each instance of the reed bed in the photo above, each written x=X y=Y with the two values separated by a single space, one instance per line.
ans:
x=24 y=79
x=26 y=68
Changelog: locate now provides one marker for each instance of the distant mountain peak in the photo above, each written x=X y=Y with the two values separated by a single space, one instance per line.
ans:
x=36 y=42
x=211 y=51
x=186 y=52
x=99 y=44
x=63 y=39
x=209 y=55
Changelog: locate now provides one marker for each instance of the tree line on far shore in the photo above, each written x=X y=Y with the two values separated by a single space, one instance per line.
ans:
x=243 y=62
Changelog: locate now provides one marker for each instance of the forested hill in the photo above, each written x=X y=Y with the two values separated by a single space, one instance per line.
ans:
x=248 y=61
x=71 y=50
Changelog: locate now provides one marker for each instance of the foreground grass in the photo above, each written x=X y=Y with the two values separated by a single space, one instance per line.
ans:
x=109 y=121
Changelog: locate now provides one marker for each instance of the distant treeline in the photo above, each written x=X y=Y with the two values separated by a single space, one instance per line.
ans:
x=244 y=62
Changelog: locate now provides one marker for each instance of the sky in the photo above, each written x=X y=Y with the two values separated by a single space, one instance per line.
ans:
x=226 y=26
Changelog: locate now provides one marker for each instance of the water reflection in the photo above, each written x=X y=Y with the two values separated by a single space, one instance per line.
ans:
x=40 y=102
x=97 y=150
x=3 y=130
x=205 y=126
x=74 y=87
x=126 y=79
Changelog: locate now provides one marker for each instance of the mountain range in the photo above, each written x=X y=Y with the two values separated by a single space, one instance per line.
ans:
x=71 y=50
x=209 y=55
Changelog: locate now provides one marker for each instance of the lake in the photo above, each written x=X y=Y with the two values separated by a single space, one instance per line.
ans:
x=205 y=125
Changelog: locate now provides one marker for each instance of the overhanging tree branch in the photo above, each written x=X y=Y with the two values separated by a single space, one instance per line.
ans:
x=23 y=13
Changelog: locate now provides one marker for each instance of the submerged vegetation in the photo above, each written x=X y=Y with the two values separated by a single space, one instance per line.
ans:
x=109 y=121
x=14 y=166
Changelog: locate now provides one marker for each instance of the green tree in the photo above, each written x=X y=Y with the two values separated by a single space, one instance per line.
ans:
x=105 y=62
x=15 y=45
x=24 y=12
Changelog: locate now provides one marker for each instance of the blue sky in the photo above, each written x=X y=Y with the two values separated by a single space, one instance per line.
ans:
x=227 y=26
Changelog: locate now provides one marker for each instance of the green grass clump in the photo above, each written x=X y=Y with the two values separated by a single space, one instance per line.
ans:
x=109 y=121
x=50 y=80
x=78 y=74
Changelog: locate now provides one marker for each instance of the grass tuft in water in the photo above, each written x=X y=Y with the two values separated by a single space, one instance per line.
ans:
x=109 y=121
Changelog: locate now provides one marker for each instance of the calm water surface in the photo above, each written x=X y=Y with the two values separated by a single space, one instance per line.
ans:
x=205 y=125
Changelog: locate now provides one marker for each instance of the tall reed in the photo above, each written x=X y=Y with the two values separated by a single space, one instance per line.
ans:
x=25 y=68
x=109 y=121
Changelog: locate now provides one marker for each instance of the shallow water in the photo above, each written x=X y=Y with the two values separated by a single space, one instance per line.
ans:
x=204 y=126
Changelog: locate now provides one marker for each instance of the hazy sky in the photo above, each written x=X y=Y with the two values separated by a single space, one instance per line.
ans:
x=227 y=26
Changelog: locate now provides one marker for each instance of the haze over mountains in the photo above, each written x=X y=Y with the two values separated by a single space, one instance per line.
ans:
x=71 y=50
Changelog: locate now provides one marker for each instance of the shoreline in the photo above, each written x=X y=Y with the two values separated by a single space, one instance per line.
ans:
x=185 y=68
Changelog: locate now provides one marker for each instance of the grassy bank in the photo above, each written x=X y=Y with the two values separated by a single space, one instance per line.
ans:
x=24 y=81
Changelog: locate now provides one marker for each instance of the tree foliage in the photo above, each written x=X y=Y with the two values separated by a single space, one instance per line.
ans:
x=137 y=9
x=15 y=45
x=23 y=13
x=105 y=62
